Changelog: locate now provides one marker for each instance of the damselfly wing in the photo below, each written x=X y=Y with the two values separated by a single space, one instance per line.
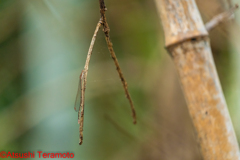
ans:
x=79 y=95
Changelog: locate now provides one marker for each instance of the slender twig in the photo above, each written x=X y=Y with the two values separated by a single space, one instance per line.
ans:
x=83 y=76
x=220 y=18
x=110 y=48
x=83 y=82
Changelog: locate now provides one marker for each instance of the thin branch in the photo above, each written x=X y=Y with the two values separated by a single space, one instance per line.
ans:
x=110 y=48
x=83 y=82
x=83 y=76
x=220 y=18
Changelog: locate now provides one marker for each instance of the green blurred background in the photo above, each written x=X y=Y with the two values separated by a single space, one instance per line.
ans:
x=43 y=48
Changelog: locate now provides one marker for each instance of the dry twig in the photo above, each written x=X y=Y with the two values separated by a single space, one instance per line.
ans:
x=220 y=18
x=83 y=77
x=110 y=48
x=82 y=85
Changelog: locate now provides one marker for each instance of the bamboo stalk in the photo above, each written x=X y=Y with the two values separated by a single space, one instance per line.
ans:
x=187 y=42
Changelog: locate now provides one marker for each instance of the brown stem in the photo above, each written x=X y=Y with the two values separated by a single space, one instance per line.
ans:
x=215 y=21
x=83 y=82
x=110 y=48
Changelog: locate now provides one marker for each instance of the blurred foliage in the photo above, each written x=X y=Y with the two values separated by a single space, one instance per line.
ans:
x=43 y=46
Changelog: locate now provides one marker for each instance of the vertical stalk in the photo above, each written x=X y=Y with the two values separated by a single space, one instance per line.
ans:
x=187 y=42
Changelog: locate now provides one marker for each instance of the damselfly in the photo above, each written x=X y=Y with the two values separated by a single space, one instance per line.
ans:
x=79 y=104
